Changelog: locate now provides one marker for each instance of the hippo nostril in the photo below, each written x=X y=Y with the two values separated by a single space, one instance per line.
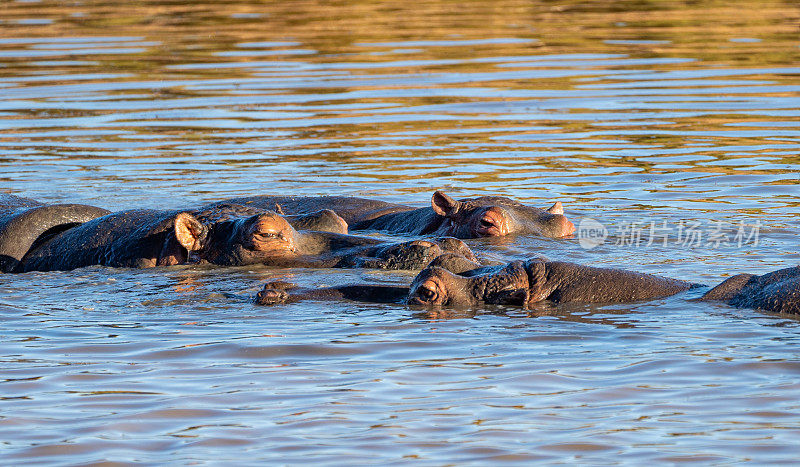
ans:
x=487 y=223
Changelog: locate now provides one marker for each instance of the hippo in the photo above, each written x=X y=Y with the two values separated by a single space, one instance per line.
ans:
x=777 y=291
x=485 y=216
x=518 y=283
x=522 y=283
x=228 y=235
x=25 y=222
x=268 y=239
x=323 y=220
x=276 y=292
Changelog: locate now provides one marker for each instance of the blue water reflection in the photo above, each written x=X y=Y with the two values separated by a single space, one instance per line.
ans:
x=632 y=115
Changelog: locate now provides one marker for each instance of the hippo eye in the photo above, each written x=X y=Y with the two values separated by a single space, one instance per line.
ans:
x=426 y=293
x=267 y=234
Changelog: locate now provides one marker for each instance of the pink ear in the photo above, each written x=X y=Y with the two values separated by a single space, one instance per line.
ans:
x=557 y=208
x=444 y=205
x=189 y=232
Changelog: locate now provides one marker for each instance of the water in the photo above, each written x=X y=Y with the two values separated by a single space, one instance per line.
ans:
x=678 y=118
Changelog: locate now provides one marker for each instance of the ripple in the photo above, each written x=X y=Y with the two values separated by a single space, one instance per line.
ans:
x=628 y=113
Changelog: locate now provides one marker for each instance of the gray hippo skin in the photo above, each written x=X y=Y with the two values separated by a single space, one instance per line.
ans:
x=777 y=291
x=24 y=221
x=276 y=292
x=283 y=246
x=523 y=283
x=519 y=283
x=222 y=235
x=487 y=216
x=456 y=258
x=323 y=220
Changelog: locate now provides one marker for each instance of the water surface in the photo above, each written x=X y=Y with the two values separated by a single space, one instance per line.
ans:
x=639 y=115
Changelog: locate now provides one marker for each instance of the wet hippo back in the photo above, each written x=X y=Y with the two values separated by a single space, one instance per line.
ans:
x=25 y=222
x=123 y=239
x=777 y=291
x=524 y=283
x=353 y=210
x=8 y=202
x=485 y=216
x=776 y=297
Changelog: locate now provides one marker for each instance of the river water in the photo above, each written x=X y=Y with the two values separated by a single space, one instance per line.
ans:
x=669 y=130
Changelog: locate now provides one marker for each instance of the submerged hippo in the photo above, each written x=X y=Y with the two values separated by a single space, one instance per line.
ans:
x=222 y=235
x=276 y=292
x=24 y=222
x=519 y=283
x=777 y=291
x=486 y=216
x=323 y=220
x=523 y=283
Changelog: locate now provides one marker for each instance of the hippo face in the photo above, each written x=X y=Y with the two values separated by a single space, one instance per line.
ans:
x=255 y=239
x=494 y=216
x=268 y=235
x=436 y=286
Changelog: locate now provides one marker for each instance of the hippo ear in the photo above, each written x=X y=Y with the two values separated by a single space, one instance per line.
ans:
x=444 y=205
x=557 y=208
x=189 y=232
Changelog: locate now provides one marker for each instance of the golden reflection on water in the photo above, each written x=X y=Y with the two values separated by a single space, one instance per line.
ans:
x=632 y=110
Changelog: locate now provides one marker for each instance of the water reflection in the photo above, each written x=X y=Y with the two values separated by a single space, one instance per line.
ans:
x=625 y=111
x=620 y=318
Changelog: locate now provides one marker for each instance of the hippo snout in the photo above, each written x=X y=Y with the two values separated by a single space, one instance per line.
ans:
x=556 y=225
x=565 y=226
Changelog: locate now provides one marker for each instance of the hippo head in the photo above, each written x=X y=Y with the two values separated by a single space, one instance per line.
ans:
x=248 y=240
x=436 y=286
x=495 y=216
